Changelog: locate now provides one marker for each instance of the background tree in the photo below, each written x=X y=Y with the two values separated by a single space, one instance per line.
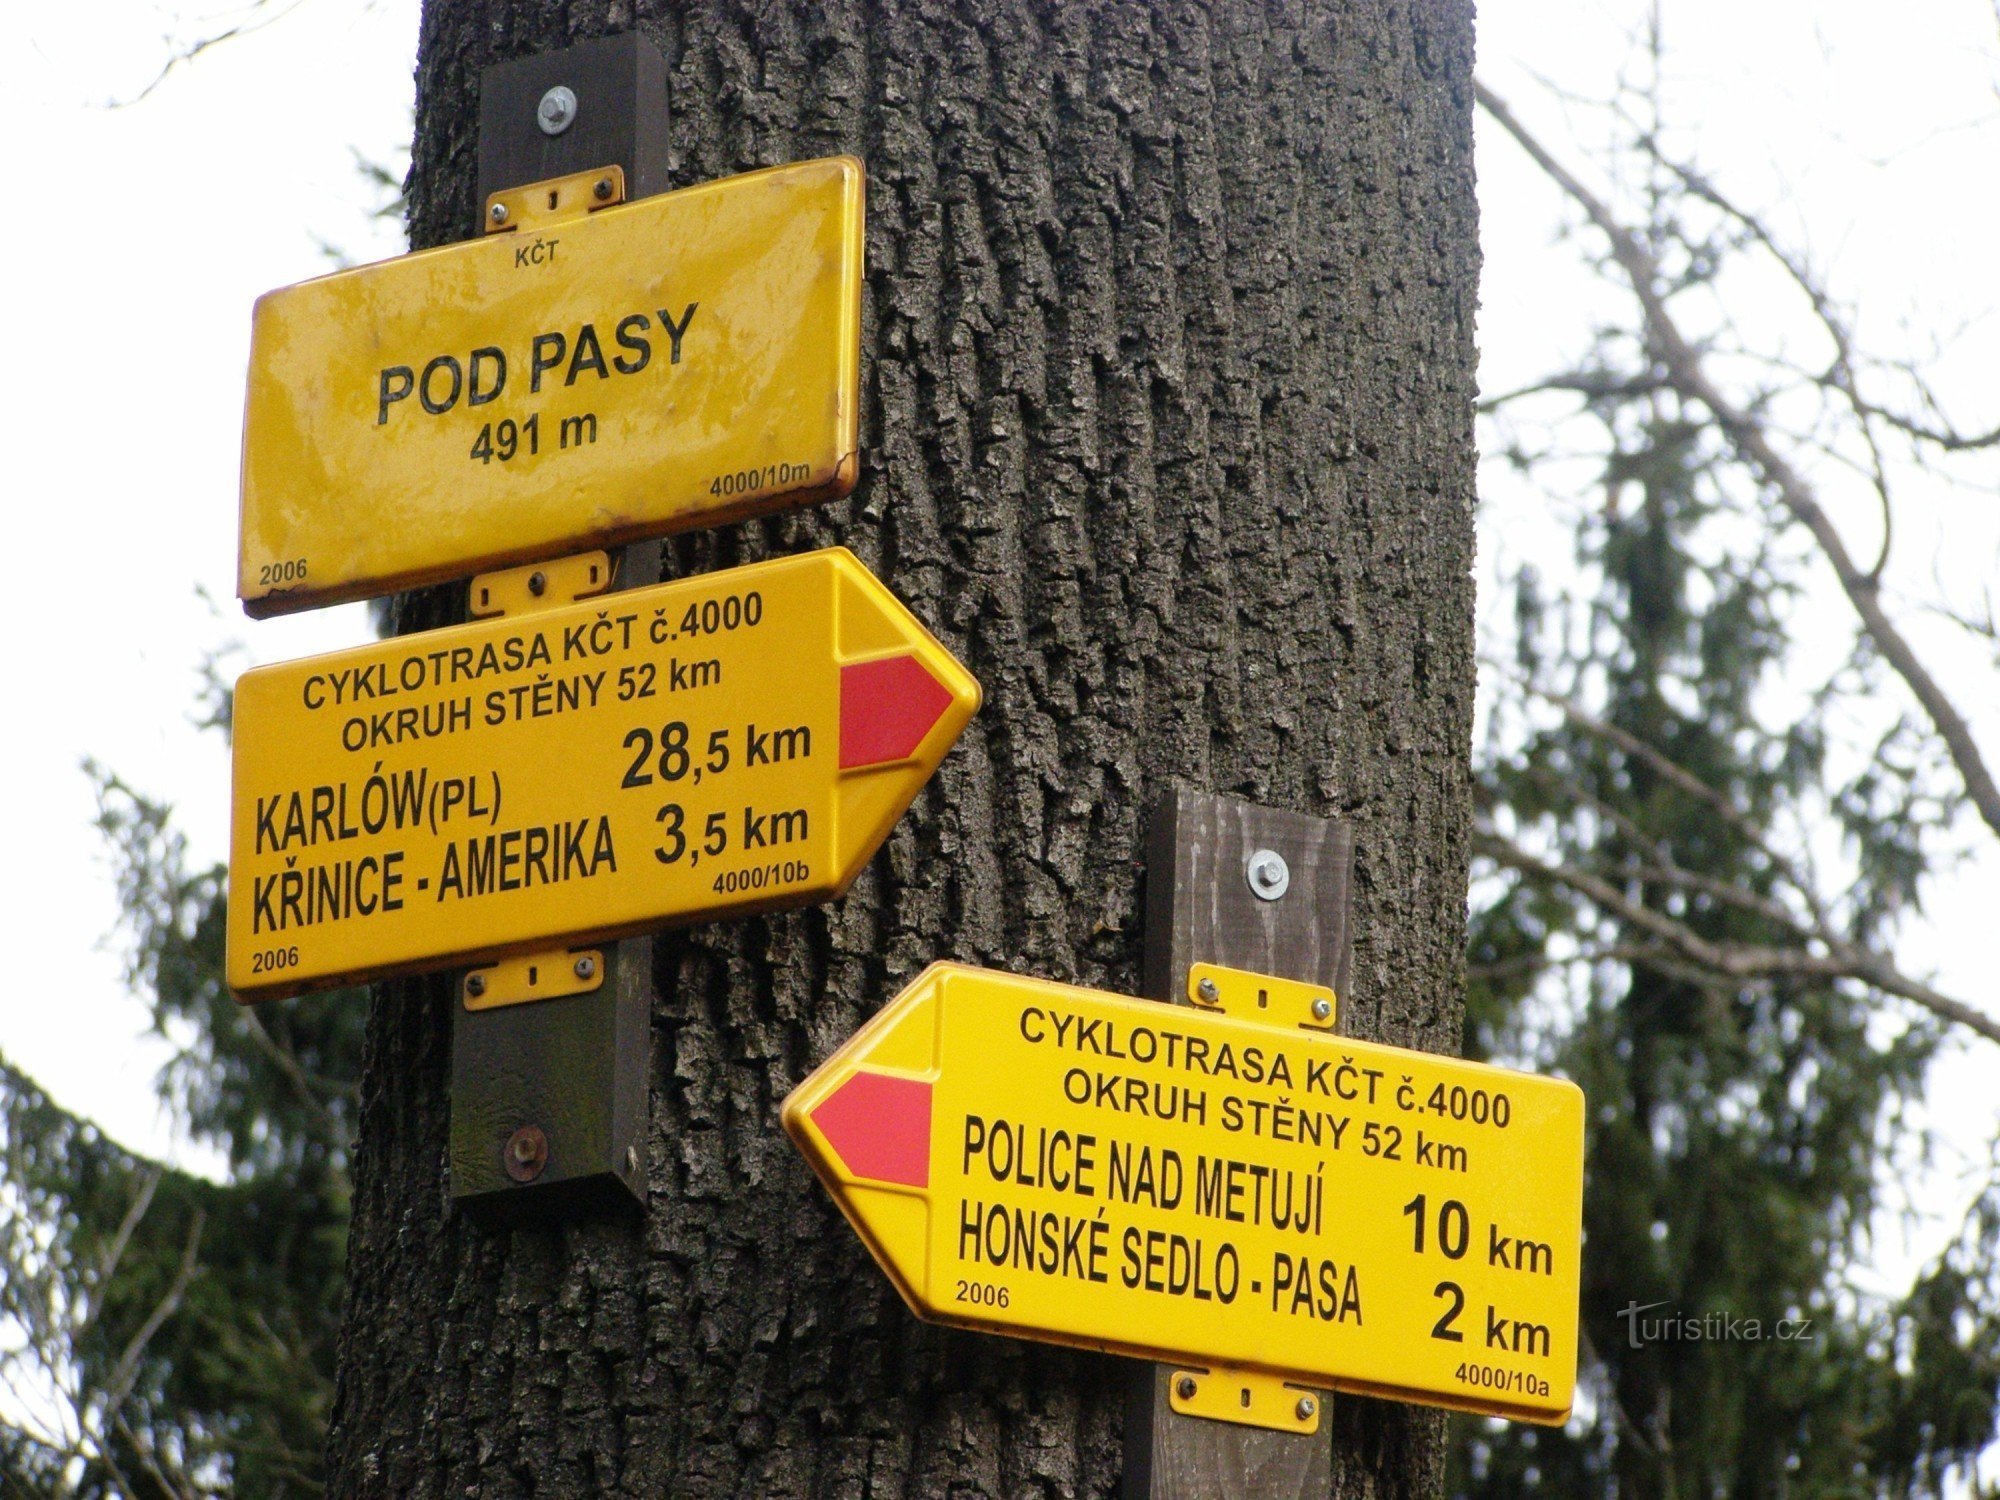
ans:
x=1700 y=830
x=1167 y=424
x=173 y=1335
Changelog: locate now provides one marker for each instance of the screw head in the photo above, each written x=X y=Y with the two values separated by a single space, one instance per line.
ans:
x=475 y=985
x=557 y=111
x=538 y=584
x=1269 y=876
x=631 y=1158
x=497 y=213
x=603 y=189
x=1307 y=1406
x=1207 y=990
x=585 y=967
x=526 y=1153
x=1184 y=1387
x=1322 y=1008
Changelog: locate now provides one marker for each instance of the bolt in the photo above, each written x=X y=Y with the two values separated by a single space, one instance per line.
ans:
x=585 y=967
x=1306 y=1408
x=603 y=189
x=1268 y=874
x=538 y=584
x=1207 y=990
x=631 y=1158
x=475 y=985
x=1322 y=1008
x=1184 y=1388
x=526 y=1153
x=557 y=111
x=497 y=213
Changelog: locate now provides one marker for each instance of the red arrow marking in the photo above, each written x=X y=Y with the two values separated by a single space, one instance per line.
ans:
x=880 y=1127
x=886 y=709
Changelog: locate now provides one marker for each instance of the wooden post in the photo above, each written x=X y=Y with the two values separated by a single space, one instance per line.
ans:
x=1201 y=908
x=575 y=1068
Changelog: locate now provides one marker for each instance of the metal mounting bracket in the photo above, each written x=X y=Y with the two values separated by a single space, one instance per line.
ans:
x=1249 y=1398
x=539 y=586
x=542 y=205
x=548 y=975
x=1265 y=998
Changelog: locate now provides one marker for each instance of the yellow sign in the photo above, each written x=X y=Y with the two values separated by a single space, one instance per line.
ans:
x=673 y=362
x=1173 y=1183
x=736 y=742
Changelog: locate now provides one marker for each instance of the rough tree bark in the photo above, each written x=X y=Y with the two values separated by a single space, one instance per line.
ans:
x=1167 y=426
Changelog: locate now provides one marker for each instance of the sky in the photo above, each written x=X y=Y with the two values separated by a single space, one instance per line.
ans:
x=1864 y=129
x=122 y=439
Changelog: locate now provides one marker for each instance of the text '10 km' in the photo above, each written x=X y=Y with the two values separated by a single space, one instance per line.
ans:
x=1056 y=1163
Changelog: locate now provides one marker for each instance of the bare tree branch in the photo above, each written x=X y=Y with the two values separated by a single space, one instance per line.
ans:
x=1687 y=372
x=260 y=14
x=118 y=1386
x=107 y=1266
x=282 y=1059
x=1739 y=960
x=1671 y=771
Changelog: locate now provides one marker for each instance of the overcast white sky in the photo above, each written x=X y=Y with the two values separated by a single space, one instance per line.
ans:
x=145 y=233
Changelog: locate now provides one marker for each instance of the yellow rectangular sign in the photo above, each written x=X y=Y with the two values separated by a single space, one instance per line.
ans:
x=673 y=362
x=1063 y=1164
x=735 y=742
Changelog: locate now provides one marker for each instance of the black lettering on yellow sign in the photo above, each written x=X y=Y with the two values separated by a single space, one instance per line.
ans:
x=307 y=895
x=522 y=858
x=481 y=376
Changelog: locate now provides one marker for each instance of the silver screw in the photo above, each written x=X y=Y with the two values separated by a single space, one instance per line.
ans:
x=585 y=967
x=1270 y=877
x=1306 y=1408
x=1322 y=1008
x=1207 y=990
x=497 y=213
x=475 y=985
x=557 y=111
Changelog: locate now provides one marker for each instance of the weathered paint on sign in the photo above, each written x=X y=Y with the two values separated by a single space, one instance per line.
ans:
x=732 y=743
x=1062 y=1164
x=672 y=362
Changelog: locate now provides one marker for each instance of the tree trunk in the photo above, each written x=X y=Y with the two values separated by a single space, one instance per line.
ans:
x=1167 y=432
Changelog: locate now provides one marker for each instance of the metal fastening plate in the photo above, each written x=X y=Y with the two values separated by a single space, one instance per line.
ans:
x=533 y=976
x=1262 y=997
x=542 y=585
x=539 y=205
x=1248 y=1398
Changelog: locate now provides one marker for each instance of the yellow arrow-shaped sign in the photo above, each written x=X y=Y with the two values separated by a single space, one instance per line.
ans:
x=672 y=362
x=732 y=743
x=1062 y=1164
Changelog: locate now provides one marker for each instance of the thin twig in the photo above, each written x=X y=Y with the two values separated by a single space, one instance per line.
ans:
x=1688 y=373
x=1739 y=960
